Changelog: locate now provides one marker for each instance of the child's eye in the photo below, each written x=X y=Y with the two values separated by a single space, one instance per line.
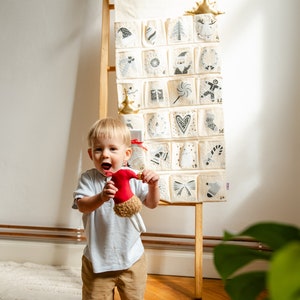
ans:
x=97 y=149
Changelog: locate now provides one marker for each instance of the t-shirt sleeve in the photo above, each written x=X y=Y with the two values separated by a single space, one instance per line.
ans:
x=85 y=188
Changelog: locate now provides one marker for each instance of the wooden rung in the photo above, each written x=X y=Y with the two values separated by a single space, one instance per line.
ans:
x=111 y=69
x=164 y=203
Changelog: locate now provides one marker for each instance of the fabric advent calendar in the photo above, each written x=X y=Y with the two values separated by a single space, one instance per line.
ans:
x=169 y=88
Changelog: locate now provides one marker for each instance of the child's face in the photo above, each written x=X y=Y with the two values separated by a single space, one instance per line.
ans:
x=109 y=154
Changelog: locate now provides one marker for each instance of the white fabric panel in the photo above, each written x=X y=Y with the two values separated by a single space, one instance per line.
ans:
x=146 y=9
x=169 y=86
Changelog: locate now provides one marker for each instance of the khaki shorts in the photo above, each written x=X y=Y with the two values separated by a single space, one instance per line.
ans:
x=131 y=283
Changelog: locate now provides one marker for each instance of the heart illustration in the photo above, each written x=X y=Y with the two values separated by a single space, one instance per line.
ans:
x=183 y=123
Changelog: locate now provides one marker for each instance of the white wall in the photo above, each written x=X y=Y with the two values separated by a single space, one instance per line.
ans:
x=49 y=80
x=49 y=87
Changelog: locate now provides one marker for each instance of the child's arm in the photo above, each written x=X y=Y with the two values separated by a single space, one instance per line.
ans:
x=153 y=196
x=89 y=204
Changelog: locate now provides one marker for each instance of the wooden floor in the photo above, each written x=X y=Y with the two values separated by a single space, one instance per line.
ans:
x=181 y=288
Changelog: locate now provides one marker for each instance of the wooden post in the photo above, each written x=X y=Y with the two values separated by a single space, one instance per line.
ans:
x=198 y=251
x=104 y=60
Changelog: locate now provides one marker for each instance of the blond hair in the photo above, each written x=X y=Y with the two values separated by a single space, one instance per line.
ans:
x=109 y=128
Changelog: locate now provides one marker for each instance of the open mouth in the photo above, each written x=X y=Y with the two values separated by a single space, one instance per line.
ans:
x=106 y=166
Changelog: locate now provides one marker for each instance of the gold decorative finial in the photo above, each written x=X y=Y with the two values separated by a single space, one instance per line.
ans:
x=204 y=7
x=128 y=108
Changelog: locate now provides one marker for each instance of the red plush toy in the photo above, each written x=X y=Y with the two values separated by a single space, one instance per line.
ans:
x=126 y=203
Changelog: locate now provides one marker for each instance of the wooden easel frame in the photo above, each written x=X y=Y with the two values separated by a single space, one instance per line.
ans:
x=103 y=109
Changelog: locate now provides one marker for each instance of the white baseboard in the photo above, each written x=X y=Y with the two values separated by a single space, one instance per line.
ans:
x=160 y=261
x=178 y=263
x=41 y=253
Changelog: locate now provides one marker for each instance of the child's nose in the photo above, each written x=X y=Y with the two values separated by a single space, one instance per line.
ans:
x=105 y=153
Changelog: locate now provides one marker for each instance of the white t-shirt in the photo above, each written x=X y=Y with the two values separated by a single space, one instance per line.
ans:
x=113 y=243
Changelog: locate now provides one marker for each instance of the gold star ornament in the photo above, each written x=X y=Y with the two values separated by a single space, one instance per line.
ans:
x=204 y=7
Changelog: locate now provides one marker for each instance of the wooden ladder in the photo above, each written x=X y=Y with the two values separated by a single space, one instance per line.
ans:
x=105 y=68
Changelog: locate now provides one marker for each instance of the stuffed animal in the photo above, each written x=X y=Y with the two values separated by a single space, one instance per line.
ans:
x=126 y=203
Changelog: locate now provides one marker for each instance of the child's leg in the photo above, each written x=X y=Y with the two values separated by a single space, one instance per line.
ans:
x=97 y=286
x=132 y=282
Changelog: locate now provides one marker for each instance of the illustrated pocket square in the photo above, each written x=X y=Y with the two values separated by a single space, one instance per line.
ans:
x=211 y=121
x=137 y=159
x=159 y=156
x=183 y=188
x=210 y=90
x=156 y=93
x=155 y=63
x=212 y=187
x=212 y=154
x=181 y=61
x=207 y=60
x=180 y=29
x=157 y=125
x=164 y=188
x=130 y=96
x=185 y=155
x=184 y=123
x=206 y=29
x=154 y=33
x=182 y=91
x=127 y=34
x=128 y=64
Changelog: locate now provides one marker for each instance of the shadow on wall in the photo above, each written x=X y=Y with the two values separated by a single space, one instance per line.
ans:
x=43 y=45
x=85 y=111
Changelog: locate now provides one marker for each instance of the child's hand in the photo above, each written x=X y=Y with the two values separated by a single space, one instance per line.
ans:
x=153 y=196
x=150 y=177
x=109 y=191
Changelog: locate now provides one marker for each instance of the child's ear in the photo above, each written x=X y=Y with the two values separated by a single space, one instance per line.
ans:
x=128 y=153
x=90 y=152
